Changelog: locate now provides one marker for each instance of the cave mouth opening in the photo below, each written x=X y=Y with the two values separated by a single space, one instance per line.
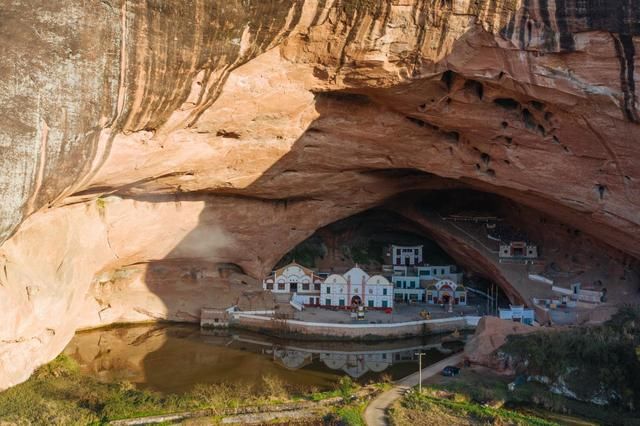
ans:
x=493 y=241
x=366 y=238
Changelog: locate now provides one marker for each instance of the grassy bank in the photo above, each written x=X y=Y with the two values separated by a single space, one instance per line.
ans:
x=486 y=388
x=437 y=407
x=58 y=394
x=485 y=400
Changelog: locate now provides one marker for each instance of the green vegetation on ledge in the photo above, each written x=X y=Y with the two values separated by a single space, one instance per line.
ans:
x=305 y=253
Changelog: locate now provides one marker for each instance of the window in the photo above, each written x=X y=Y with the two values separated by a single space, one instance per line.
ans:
x=355 y=290
x=429 y=297
x=305 y=286
x=280 y=286
x=341 y=302
x=398 y=284
x=385 y=304
x=269 y=286
x=327 y=302
x=462 y=299
x=370 y=303
x=370 y=291
x=442 y=271
x=384 y=291
x=328 y=290
x=316 y=286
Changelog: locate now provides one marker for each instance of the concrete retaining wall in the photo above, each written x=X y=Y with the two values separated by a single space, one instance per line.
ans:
x=315 y=330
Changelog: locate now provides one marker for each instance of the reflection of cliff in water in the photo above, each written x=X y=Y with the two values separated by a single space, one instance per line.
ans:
x=174 y=358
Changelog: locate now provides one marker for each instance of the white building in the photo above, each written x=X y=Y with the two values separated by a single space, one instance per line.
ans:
x=302 y=283
x=518 y=313
x=356 y=288
x=406 y=255
x=446 y=292
x=518 y=250
x=410 y=282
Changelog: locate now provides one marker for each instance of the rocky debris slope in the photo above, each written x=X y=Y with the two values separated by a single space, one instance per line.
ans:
x=146 y=145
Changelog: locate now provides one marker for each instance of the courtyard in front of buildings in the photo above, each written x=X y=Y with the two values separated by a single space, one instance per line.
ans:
x=401 y=312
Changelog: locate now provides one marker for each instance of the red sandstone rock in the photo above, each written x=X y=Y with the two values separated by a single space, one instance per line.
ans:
x=490 y=335
x=228 y=133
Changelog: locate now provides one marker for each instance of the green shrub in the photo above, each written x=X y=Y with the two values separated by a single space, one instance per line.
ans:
x=346 y=387
x=274 y=387
x=588 y=359
x=351 y=416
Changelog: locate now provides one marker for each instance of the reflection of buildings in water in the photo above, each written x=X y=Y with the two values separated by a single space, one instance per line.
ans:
x=355 y=364
x=292 y=360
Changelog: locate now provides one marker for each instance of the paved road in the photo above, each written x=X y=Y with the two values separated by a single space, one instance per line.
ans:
x=376 y=412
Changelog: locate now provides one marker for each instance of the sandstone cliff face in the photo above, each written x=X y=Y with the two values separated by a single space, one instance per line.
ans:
x=147 y=145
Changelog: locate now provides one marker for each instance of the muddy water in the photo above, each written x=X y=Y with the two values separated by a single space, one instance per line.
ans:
x=175 y=358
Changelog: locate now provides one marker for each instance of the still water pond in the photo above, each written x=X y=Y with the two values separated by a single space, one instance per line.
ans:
x=175 y=358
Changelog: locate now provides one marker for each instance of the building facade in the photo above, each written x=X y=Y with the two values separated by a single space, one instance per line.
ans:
x=302 y=283
x=518 y=250
x=406 y=255
x=446 y=292
x=356 y=288
x=410 y=283
x=518 y=313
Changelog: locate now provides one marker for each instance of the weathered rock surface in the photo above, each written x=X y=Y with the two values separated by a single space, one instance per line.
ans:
x=490 y=335
x=227 y=132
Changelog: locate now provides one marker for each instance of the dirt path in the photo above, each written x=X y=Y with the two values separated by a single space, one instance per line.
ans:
x=376 y=412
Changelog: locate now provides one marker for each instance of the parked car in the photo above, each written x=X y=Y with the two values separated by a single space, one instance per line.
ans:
x=450 y=370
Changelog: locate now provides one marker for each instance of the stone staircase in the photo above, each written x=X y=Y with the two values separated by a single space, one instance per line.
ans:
x=282 y=304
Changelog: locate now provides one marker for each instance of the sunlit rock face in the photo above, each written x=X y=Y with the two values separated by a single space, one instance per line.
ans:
x=157 y=155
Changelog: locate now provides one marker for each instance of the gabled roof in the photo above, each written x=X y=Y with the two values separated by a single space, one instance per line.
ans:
x=306 y=270
x=356 y=270
x=377 y=280
x=335 y=279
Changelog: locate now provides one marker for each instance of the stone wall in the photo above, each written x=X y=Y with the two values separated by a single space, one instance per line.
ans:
x=314 y=330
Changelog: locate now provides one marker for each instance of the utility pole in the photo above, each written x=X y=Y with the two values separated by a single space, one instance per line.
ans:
x=419 y=370
x=486 y=312
x=495 y=300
